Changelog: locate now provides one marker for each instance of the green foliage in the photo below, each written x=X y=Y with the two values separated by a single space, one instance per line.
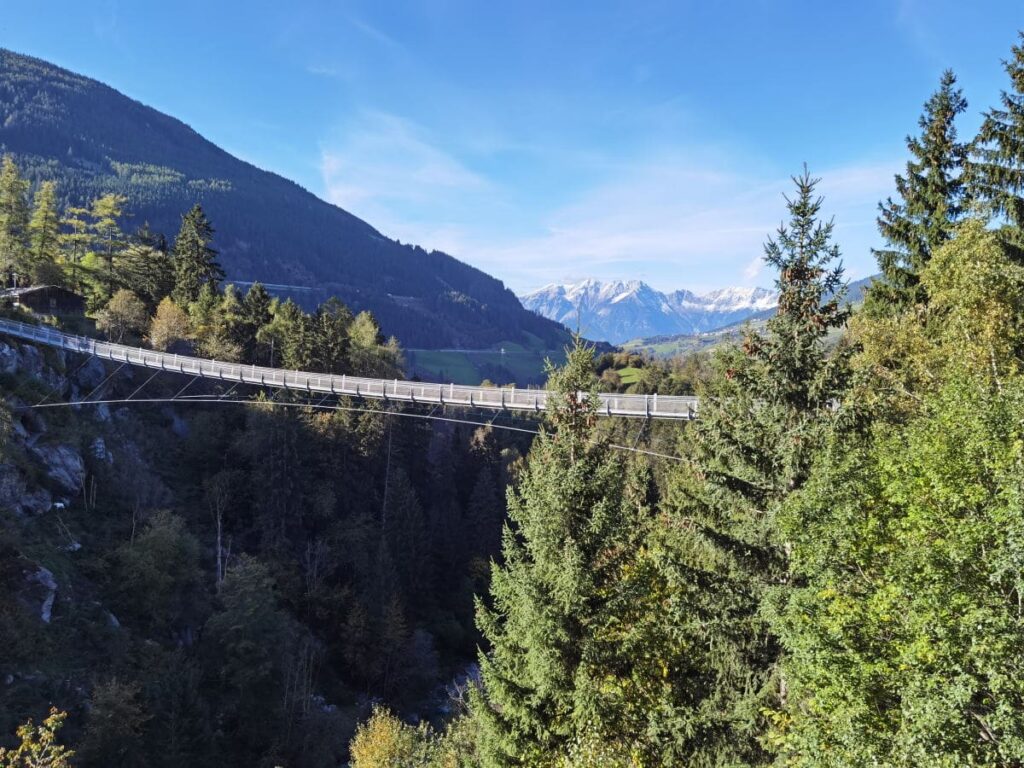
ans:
x=114 y=731
x=44 y=234
x=14 y=221
x=195 y=261
x=156 y=576
x=932 y=197
x=996 y=170
x=147 y=269
x=573 y=530
x=904 y=638
x=764 y=416
x=124 y=315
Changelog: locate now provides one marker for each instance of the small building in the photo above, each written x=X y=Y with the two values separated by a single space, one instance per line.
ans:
x=45 y=300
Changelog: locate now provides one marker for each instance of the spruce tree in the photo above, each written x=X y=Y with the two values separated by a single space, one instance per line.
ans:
x=331 y=341
x=997 y=155
x=931 y=200
x=572 y=529
x=195 y=261
x=764 y=415
x=14 y=218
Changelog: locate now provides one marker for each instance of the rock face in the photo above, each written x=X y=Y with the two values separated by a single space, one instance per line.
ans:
x=43 y=589
x=9 y=358
x=91 y=374
x=15 y=496
x=64 y=466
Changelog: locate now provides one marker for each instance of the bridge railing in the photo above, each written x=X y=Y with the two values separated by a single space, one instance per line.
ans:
x=494 y=398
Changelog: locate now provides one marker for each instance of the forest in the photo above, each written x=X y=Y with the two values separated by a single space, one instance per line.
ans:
x=824 y=569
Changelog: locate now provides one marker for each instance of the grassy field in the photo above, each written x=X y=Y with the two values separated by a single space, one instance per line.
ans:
x=629 y=375
x=506 y=363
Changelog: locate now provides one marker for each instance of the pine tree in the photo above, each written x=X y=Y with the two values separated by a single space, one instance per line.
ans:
x=14 y=218
x=44 y=234
x=572 y=529
x=195 y=261
x=997 y=163
x=931 y=200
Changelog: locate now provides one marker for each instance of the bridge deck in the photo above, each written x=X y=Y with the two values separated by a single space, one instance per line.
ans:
x=493 y=398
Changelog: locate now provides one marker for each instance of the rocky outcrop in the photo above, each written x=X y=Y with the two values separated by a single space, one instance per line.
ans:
x=64 y=466
x=43 y=591
x=14 y=494
x=91 y=374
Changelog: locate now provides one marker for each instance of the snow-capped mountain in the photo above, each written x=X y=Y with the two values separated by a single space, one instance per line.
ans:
x=621 y=310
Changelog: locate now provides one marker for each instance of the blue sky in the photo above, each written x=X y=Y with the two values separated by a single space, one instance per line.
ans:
x=548 y=141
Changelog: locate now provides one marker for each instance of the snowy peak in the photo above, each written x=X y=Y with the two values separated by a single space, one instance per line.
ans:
x=620 y=310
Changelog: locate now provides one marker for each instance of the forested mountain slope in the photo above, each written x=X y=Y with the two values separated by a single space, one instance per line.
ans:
x=93 y=140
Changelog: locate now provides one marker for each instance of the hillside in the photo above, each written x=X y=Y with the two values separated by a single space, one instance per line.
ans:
x=620 y=310
x=92 y=139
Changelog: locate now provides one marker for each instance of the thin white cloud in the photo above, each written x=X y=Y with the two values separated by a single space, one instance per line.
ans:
x=684 y=227
x=677 y=218
x=383 y=160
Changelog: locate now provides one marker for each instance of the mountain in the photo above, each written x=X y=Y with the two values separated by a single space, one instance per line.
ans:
x=672 y=345
x=621 y=310
x=92 y=140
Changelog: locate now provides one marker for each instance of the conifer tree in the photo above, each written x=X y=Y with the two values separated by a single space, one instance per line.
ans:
x=76 y=240
x=931 y=200
x=108 y=237
x=763 y=417
x=997 y=162
x=331 y=341
x=195 y=261
x=14 y=218
x=44 y=233
x=572 y=529
x=146 y=268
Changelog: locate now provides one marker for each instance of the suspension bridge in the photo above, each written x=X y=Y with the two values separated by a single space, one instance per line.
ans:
x=398 y=390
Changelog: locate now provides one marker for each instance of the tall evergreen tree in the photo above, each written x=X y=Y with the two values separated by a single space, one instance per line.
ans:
x=572 y=530
x=14 y=218
x=44 y=234
x=195 y=261
x=763 y=417
x=997 y=155
x=931 y=200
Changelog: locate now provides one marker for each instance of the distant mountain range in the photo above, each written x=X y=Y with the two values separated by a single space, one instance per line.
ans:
x=93 y=140
x=671 y=345
x=620 y=310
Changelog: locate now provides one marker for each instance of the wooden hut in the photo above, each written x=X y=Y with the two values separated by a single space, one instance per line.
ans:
x=45 y=300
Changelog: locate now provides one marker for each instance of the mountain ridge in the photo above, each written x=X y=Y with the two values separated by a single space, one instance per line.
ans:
x=621 y=310
x=91 y=139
